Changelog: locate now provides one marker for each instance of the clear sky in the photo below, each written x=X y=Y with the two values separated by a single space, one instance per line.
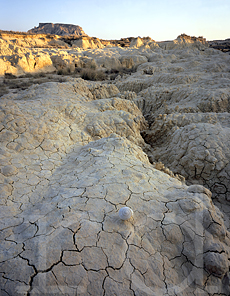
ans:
x=115 y=19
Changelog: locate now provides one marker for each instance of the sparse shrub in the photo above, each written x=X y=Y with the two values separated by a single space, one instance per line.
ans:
x=125 y=70
x=15 y=84
x=33 y=75
x=7 y=82
x=60 y=72
x=113 y=76
x=61 y=80
x=27 y=75
x=65 y=71
x=114 y=72
x=77 y=70
x=10 y=76
x=149 y=71
x=3 y=90
x=177 y=108
x=93 y=66
x=94 y=75
x=25 y=85
x=38 y=75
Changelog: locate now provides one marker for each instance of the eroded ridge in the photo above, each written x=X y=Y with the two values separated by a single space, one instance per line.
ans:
x=71 y=157
x=184 y=95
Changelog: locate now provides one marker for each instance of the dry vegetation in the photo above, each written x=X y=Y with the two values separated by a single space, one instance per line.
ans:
x=12 y=83
x=13 y=32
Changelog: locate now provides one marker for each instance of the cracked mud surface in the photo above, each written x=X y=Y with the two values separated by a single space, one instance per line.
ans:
x=72 y=156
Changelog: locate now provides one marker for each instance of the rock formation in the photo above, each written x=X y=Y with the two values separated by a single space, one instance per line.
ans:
x=23 y=53
x=73 y=154
x=223 y=45
x=57 y=29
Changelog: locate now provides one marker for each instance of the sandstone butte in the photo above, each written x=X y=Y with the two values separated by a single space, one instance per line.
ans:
x=73 y=153
x=58 y=29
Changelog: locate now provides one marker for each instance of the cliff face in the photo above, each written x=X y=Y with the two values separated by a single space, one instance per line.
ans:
x=58 y=29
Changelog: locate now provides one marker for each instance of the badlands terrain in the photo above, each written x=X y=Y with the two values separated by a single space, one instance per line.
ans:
x=152 y=135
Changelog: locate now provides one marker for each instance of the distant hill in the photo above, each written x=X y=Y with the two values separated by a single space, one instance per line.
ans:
x=58 y=29
x=223 y=45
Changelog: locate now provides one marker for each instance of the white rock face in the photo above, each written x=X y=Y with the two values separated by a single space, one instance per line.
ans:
x=72 y=155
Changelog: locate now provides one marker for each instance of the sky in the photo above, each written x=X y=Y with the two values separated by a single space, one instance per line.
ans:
x=115 y=19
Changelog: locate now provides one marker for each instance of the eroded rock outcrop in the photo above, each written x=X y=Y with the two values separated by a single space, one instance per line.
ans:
x=86 y=42
x=57 y=29
x=107 y=55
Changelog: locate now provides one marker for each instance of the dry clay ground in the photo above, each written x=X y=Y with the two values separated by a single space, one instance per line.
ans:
x=74 y=153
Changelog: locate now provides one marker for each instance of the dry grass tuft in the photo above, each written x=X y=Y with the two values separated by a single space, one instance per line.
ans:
x=94 y=75
x=12 y=83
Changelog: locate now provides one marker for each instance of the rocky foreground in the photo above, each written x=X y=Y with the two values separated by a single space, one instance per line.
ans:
x=73 y=153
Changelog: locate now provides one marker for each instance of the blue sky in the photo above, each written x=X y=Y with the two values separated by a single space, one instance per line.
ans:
x=115 y=19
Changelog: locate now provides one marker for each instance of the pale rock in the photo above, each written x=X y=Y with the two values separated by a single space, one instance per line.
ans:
x=132 y=61
x=94 y=258
x=108 y=62
x=113 y=287
x=216 y=263
x=9 y=170
x=6 y=67
x=136 y=42
x=85 y=43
